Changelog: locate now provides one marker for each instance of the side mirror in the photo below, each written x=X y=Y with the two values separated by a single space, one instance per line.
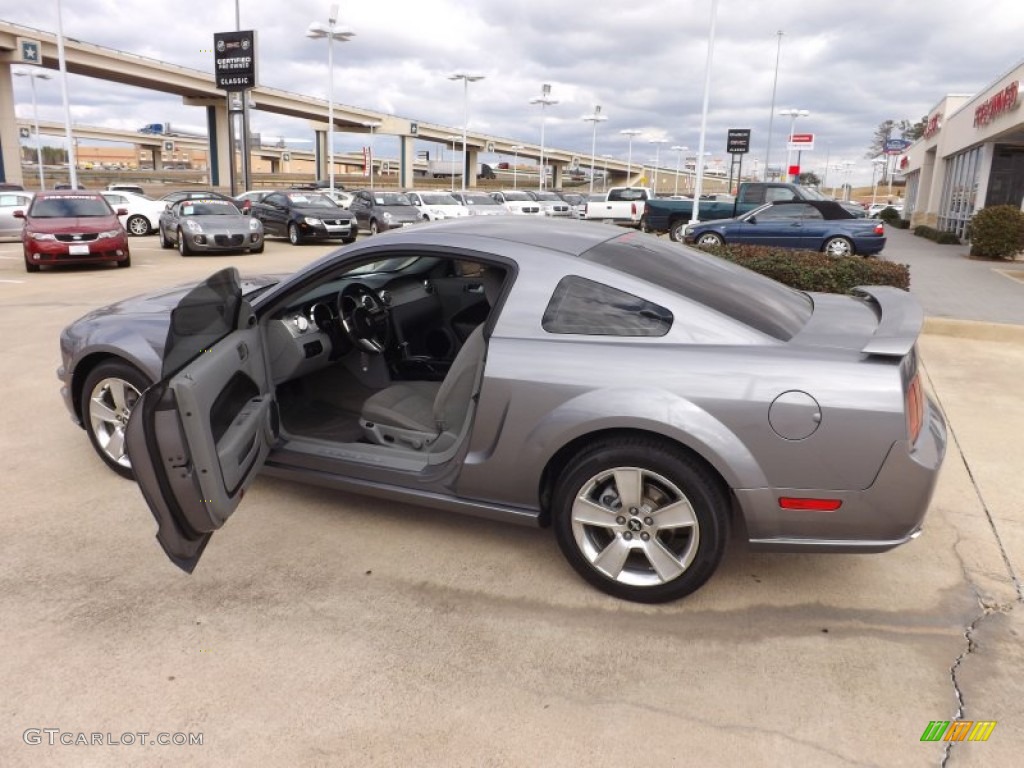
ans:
x=19 y=214
x=122 y=211
x=752 y=220
x=168 y=206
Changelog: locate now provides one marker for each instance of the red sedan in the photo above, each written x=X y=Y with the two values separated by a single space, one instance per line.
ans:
x=72 y=227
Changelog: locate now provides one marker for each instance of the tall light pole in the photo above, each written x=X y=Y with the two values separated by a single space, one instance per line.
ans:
x=32 y=76
x=545 y=101
x=792 y=114
x=698 y=185
x=317 y=31
x=679 y=161
x=466 y=80
x=595 y=118
x=771 y=109
x=630 y=132
x=657 y=159
x=62 y=64
x=515 y=163
x=371 y=124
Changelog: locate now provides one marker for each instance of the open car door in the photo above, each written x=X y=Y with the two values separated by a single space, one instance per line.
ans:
x=198 y=436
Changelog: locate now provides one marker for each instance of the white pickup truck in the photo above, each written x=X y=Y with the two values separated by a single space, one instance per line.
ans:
x=621 y=205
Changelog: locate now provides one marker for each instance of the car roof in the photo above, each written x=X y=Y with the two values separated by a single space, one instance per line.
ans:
x=566 y=236
x=830 y=209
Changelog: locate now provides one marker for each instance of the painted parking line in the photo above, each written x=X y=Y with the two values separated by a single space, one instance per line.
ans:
x=12 y=281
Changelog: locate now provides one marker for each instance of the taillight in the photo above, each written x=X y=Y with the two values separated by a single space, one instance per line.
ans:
x=915 y=408
x=632 y=207
x=879 y=228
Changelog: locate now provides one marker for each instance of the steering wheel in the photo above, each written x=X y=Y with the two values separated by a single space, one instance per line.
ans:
x=365 y=319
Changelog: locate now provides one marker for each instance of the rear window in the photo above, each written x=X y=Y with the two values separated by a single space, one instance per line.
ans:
x=69 y=206
x=747 y=297
x=585 y=307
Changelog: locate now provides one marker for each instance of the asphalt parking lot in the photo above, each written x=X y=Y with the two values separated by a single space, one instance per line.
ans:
x=325 y=629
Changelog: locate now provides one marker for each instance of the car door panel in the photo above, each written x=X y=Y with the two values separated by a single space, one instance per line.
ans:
x=198 y=437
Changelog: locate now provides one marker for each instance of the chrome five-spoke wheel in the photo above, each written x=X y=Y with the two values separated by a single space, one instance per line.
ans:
x=109 y=394
x=641 y=519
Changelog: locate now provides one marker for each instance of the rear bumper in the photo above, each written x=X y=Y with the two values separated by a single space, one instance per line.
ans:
x=888 y=513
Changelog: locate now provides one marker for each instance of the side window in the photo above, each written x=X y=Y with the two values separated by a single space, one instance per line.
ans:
x=7 y=201
x=779 y=193
x=276 y=199
x=752 y=193
x=582 y=306
x=116 y=200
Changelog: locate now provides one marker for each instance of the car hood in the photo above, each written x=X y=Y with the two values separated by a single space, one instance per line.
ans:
x=237 y=223
x=74 y=224
x=399 y=211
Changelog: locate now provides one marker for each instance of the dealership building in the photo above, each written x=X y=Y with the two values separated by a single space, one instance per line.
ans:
x=970 y=157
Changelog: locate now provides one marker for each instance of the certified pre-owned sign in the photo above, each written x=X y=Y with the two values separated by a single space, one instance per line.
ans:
x=234 y=60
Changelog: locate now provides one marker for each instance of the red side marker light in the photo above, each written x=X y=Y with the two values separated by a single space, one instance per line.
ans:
x=809 y=505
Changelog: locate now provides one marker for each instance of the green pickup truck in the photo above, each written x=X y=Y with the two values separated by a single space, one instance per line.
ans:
x=672 y=216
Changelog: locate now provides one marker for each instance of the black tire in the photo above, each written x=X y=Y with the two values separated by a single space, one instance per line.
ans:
x=257 y=249
x=710 y=240
x=164 y=242
x=838 y=247
x=183 y=247
x=675 y=231
x=348 y=240
x=373 y=227
x=137 y=225
x=293 y=234
x=126 y=263
x=30 y=267
x=666 y=474
x=643 y=224
x=98 y=384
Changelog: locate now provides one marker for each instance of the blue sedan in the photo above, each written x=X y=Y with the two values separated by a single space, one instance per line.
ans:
x=812 y=225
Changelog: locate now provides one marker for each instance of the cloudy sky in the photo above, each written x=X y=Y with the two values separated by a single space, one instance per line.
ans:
x=851 y=65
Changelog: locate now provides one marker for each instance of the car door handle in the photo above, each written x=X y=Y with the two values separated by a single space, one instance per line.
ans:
x=474 y=288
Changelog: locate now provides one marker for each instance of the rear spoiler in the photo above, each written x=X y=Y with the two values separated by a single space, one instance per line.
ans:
x=899 y=323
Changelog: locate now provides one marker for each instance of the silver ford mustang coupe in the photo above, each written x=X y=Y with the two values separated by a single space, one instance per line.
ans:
x=641 y=398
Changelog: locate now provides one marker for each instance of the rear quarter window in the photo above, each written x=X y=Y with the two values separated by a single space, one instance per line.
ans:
x=590 y=308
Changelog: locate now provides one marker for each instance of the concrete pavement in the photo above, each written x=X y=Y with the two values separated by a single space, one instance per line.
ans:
x=324 y=629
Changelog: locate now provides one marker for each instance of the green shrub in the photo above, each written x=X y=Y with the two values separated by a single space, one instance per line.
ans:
x=889 y=215
x=997 y=232
x=942 y=238
x=814 y=271
x=901 y=224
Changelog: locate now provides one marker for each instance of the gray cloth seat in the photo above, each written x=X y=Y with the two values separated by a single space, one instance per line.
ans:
x=416 y=413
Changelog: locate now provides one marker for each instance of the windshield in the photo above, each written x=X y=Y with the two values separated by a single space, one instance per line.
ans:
x=390 y=198
x=440 y=199
x=311 y=200
x=68 y=207
x=518 y=196
x=547 y=196
x=480 y=200
x=208 y=208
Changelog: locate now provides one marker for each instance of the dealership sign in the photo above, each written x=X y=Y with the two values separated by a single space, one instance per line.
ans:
x=801 y=142
x=1003 y=101
x=933 y=125
x=896 y=146
x=737 y=141
x=234 y=60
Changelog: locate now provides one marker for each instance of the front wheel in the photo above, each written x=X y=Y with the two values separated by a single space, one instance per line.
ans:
x=675 y=231
x=373 y=227
x=138 y=225
x=709 y=240
x=838 y=246
x=108 y=396
x=164 y=242
x=640 y=520
x=183 y=247
x=126 y=263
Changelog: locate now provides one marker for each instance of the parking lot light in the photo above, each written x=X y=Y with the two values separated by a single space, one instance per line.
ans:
x=595 y=118
x=657 y=159
x=466 y=80
x=317 y=31
x=678 y=149
x=630 y=132
x=33 y=75
x=515 y=162
x=544 y=100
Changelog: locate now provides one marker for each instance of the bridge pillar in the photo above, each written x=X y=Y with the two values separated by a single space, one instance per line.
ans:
x=10 y=146
x=470 y=170
x=406 y=161
x=320 y=155
x=556 y=176
x=221 y=151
